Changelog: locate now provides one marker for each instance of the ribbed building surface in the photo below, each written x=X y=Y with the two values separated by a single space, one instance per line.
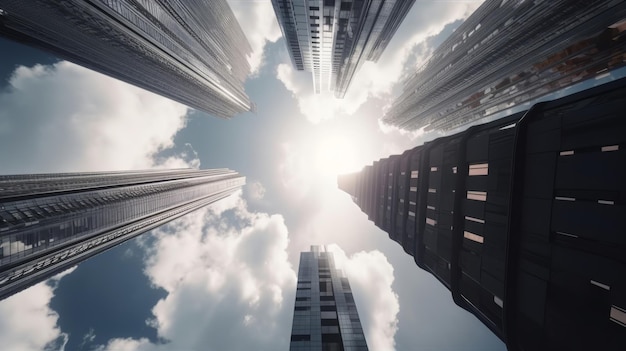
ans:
x=510 y=52
x=191 y=51
x=332 y=39
x=522 y=219
x=50 y=222
x=325 y=315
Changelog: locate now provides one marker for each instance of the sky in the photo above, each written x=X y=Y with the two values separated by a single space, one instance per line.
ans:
x=224 y=277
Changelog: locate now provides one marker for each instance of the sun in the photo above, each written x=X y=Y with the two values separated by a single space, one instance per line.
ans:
x=334 y=155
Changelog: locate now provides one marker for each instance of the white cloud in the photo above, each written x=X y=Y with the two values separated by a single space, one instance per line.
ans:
x=258 y=21
x=255 y=190
x=227 y=282
x=83 y=120
x=407 y=50
x=63 y=118
x=371 y=276
x=26 y=320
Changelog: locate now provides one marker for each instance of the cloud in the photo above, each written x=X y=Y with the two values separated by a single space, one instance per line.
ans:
x=61 y=118
x=83 y=120
x=371 y=276
x=258 y=21
x=28 y=323
x=407 y=51
x=255 y=190
x=229 y=282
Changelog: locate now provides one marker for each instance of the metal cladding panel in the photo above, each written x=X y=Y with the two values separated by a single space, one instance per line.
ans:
x=568 y=255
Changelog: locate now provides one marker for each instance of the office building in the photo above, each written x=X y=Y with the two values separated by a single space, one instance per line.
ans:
x=50 y=222
x=191 y=51
x=325 y=315
x=522 y=219
x=332 y=39
x=509 y=53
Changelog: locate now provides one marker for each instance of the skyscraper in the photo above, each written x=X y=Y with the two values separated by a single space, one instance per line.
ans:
x=191 y=51
x=332 y=38
x=522 y=219
x=325 y=315
x=508 y=53
x=50 y=222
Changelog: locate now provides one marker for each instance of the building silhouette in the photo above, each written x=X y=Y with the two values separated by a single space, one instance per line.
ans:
x=50 y=222
x=191 y=51
x=508 y=53
x=522 y=219
x=332 y=39
x=325 y=315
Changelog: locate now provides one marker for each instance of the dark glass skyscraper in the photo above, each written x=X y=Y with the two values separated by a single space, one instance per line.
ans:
x=332 y=39
x=325 y=315
x=523 y=219
x=508 y=53
x=191 y=51
x=49 y=222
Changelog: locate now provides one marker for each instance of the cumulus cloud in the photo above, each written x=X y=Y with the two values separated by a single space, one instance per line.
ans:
x=371 y=276
x=258 y=21
x=83 y=120
x=227 y=275
x=255 y=190
x=61 y=118
x=28 y=323
x=407 y=51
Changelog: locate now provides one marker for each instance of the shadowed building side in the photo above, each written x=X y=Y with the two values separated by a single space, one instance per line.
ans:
x=522 y=219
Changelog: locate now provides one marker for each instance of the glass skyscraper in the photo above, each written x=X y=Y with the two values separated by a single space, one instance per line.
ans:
x=522 y=219
x=325 y=315
x=191 y=51
x=333 y=38
x=508 y=53
x=50 y=222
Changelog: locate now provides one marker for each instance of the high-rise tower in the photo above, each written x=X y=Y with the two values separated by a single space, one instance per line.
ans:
x=49 y=222
x=191 y=51
x=508 y=53
x=325 y=315
x=522 y=219
x=333 y=38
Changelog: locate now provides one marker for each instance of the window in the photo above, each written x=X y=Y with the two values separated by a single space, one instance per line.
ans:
x=303 y=308
x=432 y=190
x=479 y=169
x=475 y=219
x=498 y=301
x=300 y=337
x=414 y=174
x=618 y=315
x=431 y=221
x=610 y=148
x=477 y=195
x=473 y=237
x=328 y=315
x=598 y=284
x=433 y=169
x=413 y=188
x=411 y=213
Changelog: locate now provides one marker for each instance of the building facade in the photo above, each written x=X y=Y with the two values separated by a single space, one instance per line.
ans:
x=508 y=53
x=522 y=219
x=325 y=315
x=50 y=222
x=191 y=51
x=332 y=39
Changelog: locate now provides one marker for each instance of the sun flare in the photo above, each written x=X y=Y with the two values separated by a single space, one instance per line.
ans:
x=335 y=155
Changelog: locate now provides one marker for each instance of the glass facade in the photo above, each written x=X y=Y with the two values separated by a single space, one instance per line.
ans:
x=325 y=315
x=51 y=221
x=331 y=39
x=508 y=53
x=190 y=51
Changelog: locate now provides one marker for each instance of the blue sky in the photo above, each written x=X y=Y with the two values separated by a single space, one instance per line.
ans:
x=224 y=278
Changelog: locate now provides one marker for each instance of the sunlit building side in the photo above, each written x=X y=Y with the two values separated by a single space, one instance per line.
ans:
x=50 y=222
x=325 y=315
x=522 y=219
x=508 y=53
x=332 y=39
x=191 y=51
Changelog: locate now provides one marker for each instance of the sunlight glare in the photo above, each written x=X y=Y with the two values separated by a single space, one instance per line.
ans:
x=335 y=155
